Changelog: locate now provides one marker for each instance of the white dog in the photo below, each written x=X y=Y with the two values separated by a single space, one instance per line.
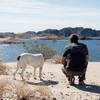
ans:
x=34 y=60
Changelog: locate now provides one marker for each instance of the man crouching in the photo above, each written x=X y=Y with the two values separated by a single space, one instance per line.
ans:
x=75 y=60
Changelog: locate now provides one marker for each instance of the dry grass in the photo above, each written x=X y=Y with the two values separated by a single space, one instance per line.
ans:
x=21 y=91
x=39 y=93
x=57 y=59
x=6 y=90
x=43 y=93
x=3 y=69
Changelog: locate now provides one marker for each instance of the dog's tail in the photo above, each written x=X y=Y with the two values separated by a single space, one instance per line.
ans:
x=18 y=58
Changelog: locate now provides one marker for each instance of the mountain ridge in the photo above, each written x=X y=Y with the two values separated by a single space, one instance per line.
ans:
x=84 y=33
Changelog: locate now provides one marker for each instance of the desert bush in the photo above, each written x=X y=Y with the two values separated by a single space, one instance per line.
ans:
x=6 y=90
x=43 y=93
x=41 y=48
x=12 y=91
x=3 y=69
x=21 y=91
x=55 y=59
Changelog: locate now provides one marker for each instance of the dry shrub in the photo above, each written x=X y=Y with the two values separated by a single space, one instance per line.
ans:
x=13 y=91
x=21 y=91
x=40 y=93
x=43 y=93
x=57 y=59
x=3 y=69
x=46 y=50
x=2 y=86
x=6 y=90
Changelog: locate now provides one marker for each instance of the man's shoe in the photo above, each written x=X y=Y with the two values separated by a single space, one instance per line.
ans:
x=72 y=81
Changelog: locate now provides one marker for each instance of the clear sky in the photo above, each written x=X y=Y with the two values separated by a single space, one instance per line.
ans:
x=35 y=15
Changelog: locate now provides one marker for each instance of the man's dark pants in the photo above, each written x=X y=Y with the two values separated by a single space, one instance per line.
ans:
x=70 y=74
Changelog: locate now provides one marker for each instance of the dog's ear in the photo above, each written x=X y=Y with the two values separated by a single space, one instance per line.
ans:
x=18 y=58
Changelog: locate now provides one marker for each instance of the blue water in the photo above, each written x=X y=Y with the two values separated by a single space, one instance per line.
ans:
x=9 y=52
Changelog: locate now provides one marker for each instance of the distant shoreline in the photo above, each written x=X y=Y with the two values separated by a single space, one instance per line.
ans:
x=11 y=40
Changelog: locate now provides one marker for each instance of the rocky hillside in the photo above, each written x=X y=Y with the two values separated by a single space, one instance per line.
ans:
x=7 y=34
x=26 y=35
x=65 y=32
x=85 y=33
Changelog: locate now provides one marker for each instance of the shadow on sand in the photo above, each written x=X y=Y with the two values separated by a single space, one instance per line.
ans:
x=89 y=88
x=44 y=82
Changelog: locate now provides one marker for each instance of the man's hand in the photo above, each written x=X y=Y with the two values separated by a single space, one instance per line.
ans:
x=63 y=61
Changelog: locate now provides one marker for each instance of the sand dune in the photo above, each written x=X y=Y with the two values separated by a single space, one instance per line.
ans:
x=56 y=82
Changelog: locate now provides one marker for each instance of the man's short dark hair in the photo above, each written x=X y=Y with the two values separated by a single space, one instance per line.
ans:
x=73 y=38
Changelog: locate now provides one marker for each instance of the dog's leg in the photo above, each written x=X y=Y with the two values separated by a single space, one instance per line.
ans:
x=40 y=73
x=16 y=72
x=35 y=73
x=23 y=69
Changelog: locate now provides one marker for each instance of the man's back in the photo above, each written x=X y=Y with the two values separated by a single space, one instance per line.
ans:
x=75 y=54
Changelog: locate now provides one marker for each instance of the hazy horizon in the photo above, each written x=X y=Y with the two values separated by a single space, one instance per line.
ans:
x=36 y=15
x=46 y=29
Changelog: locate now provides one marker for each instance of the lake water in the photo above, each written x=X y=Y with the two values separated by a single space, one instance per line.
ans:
x=9 y=52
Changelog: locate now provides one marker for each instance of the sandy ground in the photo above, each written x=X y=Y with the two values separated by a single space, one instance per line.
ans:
x=54 y=79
